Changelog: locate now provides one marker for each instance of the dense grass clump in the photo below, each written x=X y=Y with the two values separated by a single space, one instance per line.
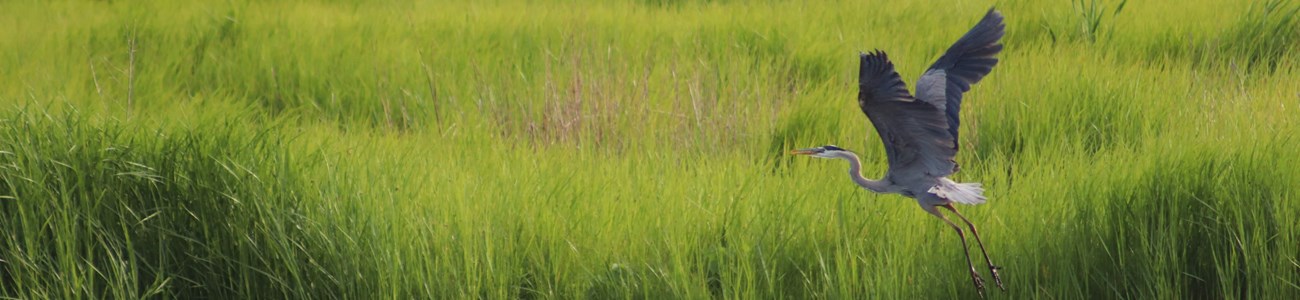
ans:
x=633 y=149
x=102 y=209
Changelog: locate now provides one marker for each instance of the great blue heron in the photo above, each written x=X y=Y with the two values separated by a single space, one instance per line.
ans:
x=920 y=137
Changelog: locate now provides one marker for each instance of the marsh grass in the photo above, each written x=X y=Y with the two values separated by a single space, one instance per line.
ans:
x=631 y=150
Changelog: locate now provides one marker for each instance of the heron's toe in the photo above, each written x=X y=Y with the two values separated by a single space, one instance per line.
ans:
x=979 y=282
x=996 y=277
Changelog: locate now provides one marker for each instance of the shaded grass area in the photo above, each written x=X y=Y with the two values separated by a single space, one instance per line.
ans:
x=100 y=210
x=631 y=150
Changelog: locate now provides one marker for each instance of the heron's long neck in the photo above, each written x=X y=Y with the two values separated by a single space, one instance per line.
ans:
x=855 y=171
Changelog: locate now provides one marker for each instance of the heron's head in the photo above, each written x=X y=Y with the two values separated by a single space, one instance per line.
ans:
x=828 y=151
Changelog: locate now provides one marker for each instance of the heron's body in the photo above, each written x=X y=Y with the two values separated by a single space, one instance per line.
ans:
x=920 y=132
x=929 y=192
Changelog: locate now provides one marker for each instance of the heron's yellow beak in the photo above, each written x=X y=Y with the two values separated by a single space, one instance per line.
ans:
x=803 y=152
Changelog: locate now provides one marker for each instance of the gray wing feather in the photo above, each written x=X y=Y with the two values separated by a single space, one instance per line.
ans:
x=964 y=64
x=915 y=133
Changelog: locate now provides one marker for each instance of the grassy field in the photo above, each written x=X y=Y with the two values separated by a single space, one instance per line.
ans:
x=634 y=149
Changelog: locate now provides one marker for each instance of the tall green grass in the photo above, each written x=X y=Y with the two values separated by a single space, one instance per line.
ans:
x=633 y=149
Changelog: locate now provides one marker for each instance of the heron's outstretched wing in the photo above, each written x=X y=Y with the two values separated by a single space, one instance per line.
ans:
x=965 y=63
x=915 y=133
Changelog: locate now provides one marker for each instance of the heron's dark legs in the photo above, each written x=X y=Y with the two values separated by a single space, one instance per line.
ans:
x=992 y=268
x=974 y=276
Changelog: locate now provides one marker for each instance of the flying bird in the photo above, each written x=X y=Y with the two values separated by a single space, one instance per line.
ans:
x=920 y=131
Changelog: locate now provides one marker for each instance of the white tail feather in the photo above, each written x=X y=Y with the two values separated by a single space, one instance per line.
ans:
x=964 y=193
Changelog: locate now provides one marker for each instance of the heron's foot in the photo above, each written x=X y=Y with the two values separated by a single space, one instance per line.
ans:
x=997 y=279
x=979 y=282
